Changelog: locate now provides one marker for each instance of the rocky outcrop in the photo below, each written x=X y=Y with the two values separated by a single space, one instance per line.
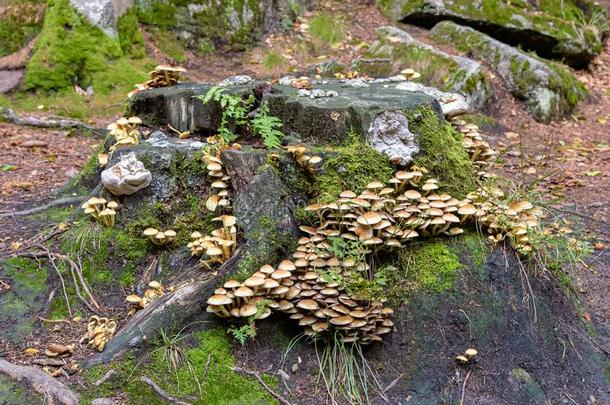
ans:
x=127 y=176
x=551 y=28
x=437 y=68
x=548 y=90
x=103 y=13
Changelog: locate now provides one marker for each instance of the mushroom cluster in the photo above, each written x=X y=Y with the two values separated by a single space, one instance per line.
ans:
x=467 y=356
x=220 y=184
x=505 y=219
x=352 y=74
x=99 y=331
x=481 y=154
x=154 y=290
x=297 y=288
x=125 y=132
x=219 y=246
x=302 y=82
x=161 y=76
x=159 y=238
x=310 y=164
x=101 y=210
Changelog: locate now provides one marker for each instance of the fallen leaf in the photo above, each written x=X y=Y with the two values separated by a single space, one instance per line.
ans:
x=16 y=245
x=593 y=173
x=30 y=351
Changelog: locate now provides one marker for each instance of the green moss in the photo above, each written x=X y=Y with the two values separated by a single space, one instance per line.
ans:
x=350 y=166
x=472 y=247
x=274 y=61
x=161 y=13
x=431 y=265
x=442 y=152
x=221 y=386
x=70 y=51
x=130 y=36
x=481 y=120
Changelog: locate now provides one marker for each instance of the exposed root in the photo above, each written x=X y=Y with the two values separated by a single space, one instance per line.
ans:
x=162 y=393
x=56 y=203
x=105 y=377
x=47 y=386
x=254 y=374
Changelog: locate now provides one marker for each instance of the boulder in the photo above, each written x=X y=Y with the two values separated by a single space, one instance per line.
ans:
x=438 y=69
x=103 y=13
x=127 y=176
x=10 y=80
x=548 y=89
x=553 y=29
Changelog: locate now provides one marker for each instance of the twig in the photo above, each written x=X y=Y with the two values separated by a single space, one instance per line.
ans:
x=262 y=382
x=105 y=377
x=51 y=122
x=464 y=387
x=61 y=279
x=40 y=318
x=206 y=369
x=56 y=203
x=162 y=393
x=393 y=383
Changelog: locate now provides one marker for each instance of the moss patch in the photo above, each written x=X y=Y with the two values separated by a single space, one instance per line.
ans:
x=431 y=265
x=222 y=385
x=20 y=22
x=442 y=152
x=130 y=36
x=350 y=166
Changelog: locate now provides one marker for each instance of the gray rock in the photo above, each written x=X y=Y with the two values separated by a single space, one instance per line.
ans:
x=10 y=80
x=389 y=134
x=548 y=90
x=452 y=104
x=103 y=13
x=374 y=67
x=533 y=25
x=104 y=401
x=329 y=68
x=238 y=80
x=127 y=176
x=438 y=69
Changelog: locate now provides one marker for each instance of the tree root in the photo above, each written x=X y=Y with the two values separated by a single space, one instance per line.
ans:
x=162 y=393
x=56 y=203
x=174 y=308
x=47 y=386
x=105 y=377
x=51 y=122
x=254 y=374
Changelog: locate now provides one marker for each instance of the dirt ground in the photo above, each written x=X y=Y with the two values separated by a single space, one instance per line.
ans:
x=568 y=161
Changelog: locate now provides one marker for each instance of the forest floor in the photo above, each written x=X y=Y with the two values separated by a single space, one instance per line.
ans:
x=567 y=162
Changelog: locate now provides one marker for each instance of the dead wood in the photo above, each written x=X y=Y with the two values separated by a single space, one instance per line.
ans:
x=162 y=393
x=51 y=122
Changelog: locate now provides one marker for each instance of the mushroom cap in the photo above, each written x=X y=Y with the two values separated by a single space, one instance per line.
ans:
x=213 y=251
x=280 y=274
x=134 y=120
x=133 y=298
x=231 y=284
x=271 y=283
x=170 y=68
x=254 y=282
x=247 y=310
x=467 y=209
x=122 y=121
x=369 y=218
x=287 y=265
x=196 y=235
x=244 y=292
x=155 y=285
x=170 y=233
x=341 y=320
x=219 y=299
x=266 y=269
x=308 y=304
x=471 y=352
x=150 y=232
x=112 y=205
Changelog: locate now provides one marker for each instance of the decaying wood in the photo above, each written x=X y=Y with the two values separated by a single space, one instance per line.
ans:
x=167 y=312
x=51 y=122
x=47 y=386
x=262 y=382
x=55 y=203
x=162 y=393
x=19 y=59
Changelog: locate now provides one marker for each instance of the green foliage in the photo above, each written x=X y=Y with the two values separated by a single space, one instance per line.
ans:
x=274 y=61
x=234 y=110
x=205 y=47
x=20 y=22
x=167 y=42
x=243 y=333
x=347 y=249
x=267 y=127
x=326 y=28
x=130 y=36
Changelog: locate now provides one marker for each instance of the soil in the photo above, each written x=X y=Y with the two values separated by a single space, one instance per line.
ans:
x=568 y=162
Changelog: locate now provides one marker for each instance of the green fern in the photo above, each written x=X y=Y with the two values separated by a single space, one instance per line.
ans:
x=234 y=110
x=244 y=332
x=268 y=127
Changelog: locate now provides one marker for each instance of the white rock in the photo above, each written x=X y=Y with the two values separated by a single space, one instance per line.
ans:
x=236 y=80
x=103 y=13
x=127 y=176
x=452 y=104
x=389 y=134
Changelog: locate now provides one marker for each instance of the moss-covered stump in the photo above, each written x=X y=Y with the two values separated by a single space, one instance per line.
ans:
x=555 y=28
x=438 y=69
x=548 y=89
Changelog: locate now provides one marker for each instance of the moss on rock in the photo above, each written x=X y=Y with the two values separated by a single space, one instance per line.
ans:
x=20 y=22
x=433 y=266
x=71 y=51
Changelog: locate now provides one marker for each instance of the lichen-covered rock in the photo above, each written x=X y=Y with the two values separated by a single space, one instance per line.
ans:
x=548 y=90
x=374 y=67
x=452 y=104
x=389 y=134
x=438 y=69
x=102 y=13
x=553 y=28
x=127 y=176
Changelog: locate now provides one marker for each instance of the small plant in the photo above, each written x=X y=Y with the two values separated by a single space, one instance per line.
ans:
x=268 y=127
x=244 y=332
x=327 y=29
x=274 y=61
x=205 y=47
x=234 y=110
